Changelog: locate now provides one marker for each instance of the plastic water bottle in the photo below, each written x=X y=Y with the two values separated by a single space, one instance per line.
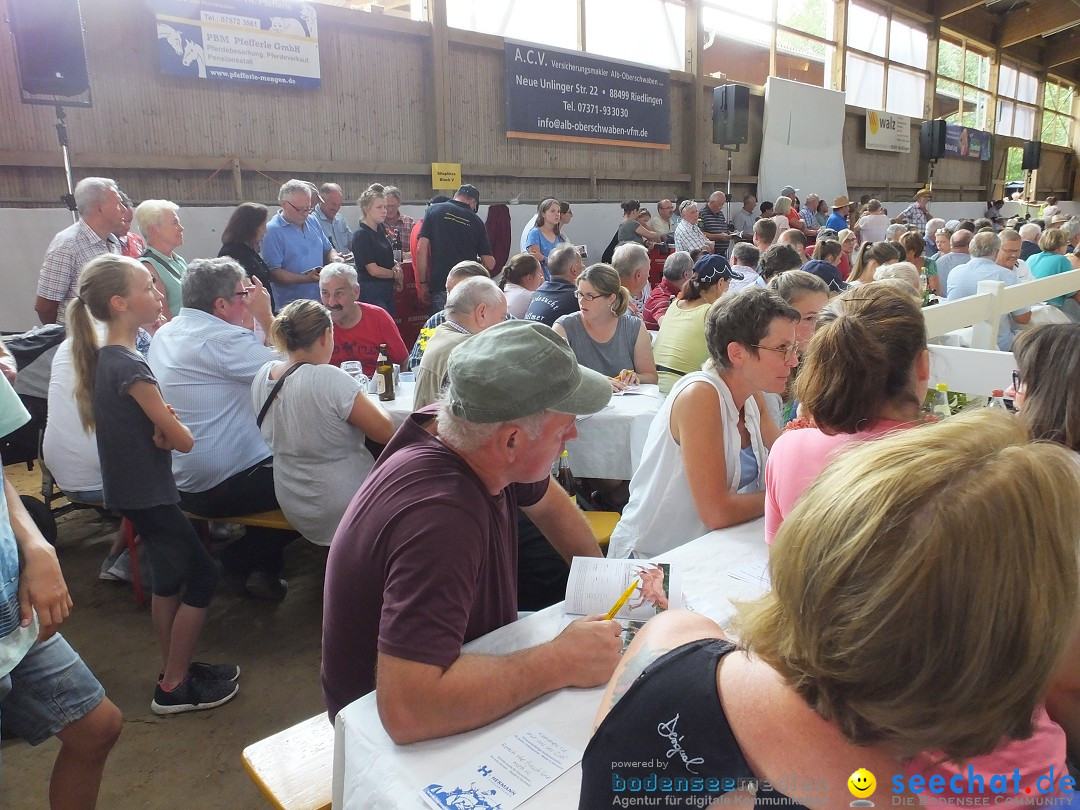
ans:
x=997 y=400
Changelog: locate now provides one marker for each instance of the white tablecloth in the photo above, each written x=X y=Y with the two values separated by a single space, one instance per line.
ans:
x=609 y=443
x=371 y=772
x=400 y=406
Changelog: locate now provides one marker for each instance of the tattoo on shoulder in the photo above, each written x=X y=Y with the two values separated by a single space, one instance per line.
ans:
x=634 y=664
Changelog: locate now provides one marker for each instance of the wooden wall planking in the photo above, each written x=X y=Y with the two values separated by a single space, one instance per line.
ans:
x=372 y=119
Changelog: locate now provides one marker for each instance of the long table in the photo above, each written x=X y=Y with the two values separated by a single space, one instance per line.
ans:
x=371 y=772
x=609 y=443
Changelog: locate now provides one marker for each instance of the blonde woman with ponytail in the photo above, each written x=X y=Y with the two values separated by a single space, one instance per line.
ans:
x=315 y=418
x=603 y=334
x=864 y=374
x=118 y=396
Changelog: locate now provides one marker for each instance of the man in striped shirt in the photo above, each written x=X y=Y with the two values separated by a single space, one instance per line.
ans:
x=101 y=212
x=714 y=223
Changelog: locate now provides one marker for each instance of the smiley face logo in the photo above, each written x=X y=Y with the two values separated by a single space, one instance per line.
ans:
x=862 y=784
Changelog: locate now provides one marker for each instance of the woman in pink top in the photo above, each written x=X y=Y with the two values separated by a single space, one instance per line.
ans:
x=864 y=373
x=1044 y=392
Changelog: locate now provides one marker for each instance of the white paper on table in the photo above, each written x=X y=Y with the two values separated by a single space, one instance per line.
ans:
x=641 y=390
x=756 y=573
x=595 y=584
x=505 y=776
x=721 y=611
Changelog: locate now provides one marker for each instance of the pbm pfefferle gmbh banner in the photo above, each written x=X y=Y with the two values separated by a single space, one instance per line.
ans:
x=888 y=132
x=561 y=95
x=261 y=41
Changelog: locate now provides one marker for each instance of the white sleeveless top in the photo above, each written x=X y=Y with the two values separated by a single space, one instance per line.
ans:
x=661 y=513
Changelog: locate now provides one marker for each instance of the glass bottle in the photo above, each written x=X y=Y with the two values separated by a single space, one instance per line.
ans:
x=384 y=375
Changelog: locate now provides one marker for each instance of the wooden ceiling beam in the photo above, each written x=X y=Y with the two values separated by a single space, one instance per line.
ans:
x=943 y=9
x=1061 y=50
x=1041 y=17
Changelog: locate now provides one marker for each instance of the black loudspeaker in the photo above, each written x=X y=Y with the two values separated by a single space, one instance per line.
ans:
x=731 y=114
x=1032 y=155
x=932 y=139
x=49 y=49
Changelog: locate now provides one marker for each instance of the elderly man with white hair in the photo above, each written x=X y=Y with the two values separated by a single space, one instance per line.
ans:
x=295 y=248
x=1029 y=233
x=332 y=221
x=472 y=306
x=159 y=221
x=983 y=266
x=416 y=571
x=688 y=235
x=933 y=225
x=359 y=328
x=714 y=223
x=1072 y=231
x=677 y=269
x=101 y=211
x=632 y=262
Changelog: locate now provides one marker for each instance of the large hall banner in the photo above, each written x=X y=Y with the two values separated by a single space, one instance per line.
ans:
x=559 y=95
x=261 y=41
x=967 y=143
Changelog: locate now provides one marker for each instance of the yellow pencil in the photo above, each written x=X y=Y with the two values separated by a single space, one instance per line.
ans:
x=622 y=600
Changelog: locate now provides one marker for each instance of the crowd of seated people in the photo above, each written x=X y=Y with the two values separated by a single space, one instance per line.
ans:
x=784 y=380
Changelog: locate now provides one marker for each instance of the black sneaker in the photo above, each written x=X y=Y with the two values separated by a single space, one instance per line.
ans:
x=210 y=672
x=264 y=585
x=214 y=672
x=192 y=695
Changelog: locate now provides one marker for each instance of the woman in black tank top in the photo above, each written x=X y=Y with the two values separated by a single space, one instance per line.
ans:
x=923 y=591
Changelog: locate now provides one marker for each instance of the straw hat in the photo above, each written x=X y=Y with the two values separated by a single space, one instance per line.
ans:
x=840 y=202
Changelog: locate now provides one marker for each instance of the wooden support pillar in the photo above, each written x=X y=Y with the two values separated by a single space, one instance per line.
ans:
x=238 y=181
x=439 y=138
x=698 y=137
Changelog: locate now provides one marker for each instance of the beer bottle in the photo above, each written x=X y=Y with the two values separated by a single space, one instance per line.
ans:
x=565 y=477
x=384 y=375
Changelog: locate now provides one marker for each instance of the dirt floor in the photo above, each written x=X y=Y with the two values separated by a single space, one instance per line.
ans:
x=191 y=760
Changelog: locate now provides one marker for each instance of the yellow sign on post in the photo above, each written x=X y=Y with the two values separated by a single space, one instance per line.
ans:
x=445 y=175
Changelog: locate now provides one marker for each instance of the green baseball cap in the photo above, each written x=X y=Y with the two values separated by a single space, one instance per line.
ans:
x=518 y=368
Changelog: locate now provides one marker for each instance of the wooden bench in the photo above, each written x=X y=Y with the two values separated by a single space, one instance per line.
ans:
x=272 y=519
x=294 y=768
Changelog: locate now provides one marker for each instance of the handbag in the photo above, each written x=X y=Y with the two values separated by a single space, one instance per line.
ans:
x=274 y=391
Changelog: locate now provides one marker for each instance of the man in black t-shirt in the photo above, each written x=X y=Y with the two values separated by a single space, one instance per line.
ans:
x=451 y=233
x=555 y=297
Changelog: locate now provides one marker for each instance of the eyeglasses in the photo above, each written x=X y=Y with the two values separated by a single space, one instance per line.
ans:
x=1017 y=382
x=579 y=295
x=789 y=351
x=299 y=210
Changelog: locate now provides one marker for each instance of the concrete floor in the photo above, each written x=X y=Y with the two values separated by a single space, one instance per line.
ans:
x=191 y=760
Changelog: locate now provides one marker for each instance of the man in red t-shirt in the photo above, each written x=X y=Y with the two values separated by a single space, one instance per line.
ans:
x=359 y=328
x=677 y=269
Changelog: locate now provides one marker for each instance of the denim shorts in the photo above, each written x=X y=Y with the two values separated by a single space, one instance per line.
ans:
x=47 y=691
